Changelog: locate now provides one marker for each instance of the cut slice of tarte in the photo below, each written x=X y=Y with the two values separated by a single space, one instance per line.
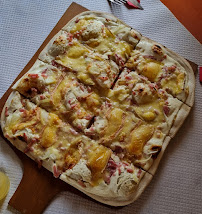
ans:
x=89 y=67
x=60 y=93
x=106 y=36
x=163 y=67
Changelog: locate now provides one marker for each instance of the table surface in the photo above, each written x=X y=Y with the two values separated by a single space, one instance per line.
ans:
x=177 y=185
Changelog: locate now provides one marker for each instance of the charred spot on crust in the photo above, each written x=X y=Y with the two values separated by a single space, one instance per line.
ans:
x=157 y=49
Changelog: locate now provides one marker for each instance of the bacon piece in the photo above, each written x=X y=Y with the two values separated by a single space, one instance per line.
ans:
x=128 y=77
x=25 y=137
x=28 y=148
x=81 y=183
x=42 y=97
x=166 y=110
x=88 y=117
x=6 y=112
x=130 y=170
x=77 y=20
x=74 y=105
x=119 y=60
x=43 y=73
x=56 y=172
x=139 y=173
x=33 y=76
x=172 y=68
x=54 y=63
x=22 y=110
x=103 y=78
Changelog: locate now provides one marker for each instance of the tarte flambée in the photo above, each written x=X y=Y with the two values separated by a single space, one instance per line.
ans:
x=99 y=107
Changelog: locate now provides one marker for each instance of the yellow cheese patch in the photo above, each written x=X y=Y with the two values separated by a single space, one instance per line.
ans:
x=79 y=26
x=49 y=136
x=114 y=123
x=151 y=70
x=139 y=137
x=175 y=84
x=98 y=157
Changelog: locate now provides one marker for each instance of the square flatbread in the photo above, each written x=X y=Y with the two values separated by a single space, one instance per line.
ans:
x=99 y=107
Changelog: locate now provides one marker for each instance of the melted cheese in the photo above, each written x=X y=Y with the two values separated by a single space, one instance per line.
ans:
x=151 y=112
x=49 y=136
x=123 y=49
x=79 y=26
x=72 y=157
x=97 y=159
x=175 y=84
x=115 y=122
x=151 y=70
x=139 y=137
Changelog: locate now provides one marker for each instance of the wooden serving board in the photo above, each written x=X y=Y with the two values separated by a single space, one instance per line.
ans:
x=38 y=186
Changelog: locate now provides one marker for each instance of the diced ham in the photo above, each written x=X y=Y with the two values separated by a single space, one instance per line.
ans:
x=42 y=97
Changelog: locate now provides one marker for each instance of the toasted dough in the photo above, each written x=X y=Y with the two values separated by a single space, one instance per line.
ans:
x=179 y=120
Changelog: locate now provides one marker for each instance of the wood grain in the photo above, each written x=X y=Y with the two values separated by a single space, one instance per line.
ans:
x=189 y=13
x=38 y=186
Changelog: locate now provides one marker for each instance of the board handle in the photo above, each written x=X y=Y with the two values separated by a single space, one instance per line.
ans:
x=36 y=189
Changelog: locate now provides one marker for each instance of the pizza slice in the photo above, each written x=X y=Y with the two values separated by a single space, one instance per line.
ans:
x=60 y=93
x=138 y=117
x=90 y=29
x=163 y=67
x=70 y=156
x=39 y=83
x=155 y=106
x=131 y=138
x=89 y=67
x=75 y=102
x=117 y=27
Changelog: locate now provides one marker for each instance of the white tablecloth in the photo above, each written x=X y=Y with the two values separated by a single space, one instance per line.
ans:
x=177 y=185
